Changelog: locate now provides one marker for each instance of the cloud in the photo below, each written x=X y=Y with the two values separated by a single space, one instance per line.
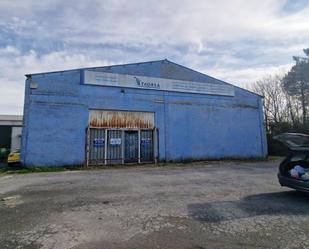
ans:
x=244 y=77
x=14 y=65
x=237 y=41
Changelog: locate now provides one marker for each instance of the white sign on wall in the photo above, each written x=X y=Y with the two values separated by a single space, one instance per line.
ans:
x=115 y=141
x=143 y=82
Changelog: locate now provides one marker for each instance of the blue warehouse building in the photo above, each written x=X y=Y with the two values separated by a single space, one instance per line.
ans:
x=138 y=113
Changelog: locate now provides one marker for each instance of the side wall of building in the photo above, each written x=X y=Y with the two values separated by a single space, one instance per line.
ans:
x=16 y=138
x=214 y=127
x=191 y=126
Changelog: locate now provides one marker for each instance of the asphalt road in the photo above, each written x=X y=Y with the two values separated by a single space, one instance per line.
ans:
x=223 y=205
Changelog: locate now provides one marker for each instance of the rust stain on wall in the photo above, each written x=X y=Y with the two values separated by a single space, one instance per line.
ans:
x=121 y=119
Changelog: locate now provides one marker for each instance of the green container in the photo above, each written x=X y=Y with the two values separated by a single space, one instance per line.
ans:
x=3 y=154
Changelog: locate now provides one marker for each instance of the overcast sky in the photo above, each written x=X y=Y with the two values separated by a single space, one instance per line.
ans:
x=239 y=41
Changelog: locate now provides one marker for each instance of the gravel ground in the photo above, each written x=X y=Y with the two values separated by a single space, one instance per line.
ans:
x=222 y=205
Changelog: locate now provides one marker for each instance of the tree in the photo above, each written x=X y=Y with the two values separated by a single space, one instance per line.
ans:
x=274 y=102
x=296 y=83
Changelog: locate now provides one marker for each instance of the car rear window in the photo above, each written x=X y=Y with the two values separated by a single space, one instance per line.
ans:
x=298 y=141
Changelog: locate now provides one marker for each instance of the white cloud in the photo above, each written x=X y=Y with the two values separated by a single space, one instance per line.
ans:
x=238 y=41
x=11 y=98
x=13 y=69
x=247 y=76
x=151 y=22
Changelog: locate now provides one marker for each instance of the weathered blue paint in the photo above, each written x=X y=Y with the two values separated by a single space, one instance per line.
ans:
x=191 y=126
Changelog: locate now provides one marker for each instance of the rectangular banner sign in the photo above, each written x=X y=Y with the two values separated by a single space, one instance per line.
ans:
x=115 y=141
x=145 y=141
x=151 y=83
x=98 y=142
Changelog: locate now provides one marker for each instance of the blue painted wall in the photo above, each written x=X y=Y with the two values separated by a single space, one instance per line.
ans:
x=191 y=126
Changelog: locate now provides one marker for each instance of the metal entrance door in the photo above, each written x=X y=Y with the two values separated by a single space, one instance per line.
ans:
x=147 y=146
x=96 y=140
x=118 y=146
x=131 y=146
x=114 y=147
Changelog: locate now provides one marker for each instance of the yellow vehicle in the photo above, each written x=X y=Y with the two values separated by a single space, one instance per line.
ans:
x=14 y=157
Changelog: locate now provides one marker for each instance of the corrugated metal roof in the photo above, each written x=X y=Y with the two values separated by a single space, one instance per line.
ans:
x=11 y=120
x=11 y=117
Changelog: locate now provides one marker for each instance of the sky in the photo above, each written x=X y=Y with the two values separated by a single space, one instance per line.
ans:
x=238 y=41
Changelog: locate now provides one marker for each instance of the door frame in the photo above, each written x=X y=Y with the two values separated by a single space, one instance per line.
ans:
x=155 y=145
x=138 y=145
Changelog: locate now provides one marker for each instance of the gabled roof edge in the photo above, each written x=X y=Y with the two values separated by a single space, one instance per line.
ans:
x=214 y=78
x=137 y=63
x=85 y=68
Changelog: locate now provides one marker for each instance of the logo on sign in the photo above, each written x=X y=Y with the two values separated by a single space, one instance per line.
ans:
x=141 y=83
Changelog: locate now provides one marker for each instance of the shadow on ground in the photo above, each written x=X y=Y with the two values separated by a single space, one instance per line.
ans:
x=276 y=203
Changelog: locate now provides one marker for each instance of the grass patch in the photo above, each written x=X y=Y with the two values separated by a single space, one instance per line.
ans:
x=184 y=163
x=274 y=158
x=26 y=170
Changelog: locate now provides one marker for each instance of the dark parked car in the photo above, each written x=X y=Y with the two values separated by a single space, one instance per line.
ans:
x=294 y=169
